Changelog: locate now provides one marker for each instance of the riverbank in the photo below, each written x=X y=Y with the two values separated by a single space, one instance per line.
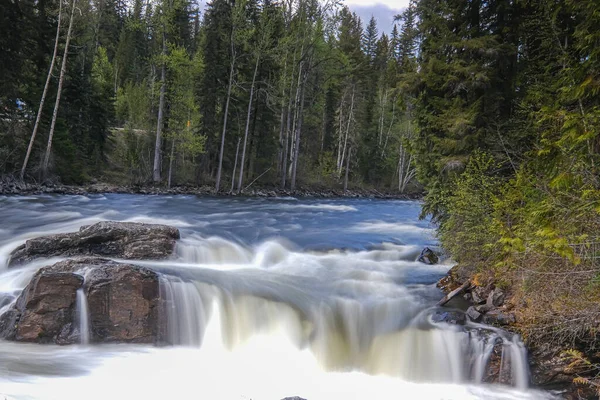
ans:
x=13 y=187
x=566 y=369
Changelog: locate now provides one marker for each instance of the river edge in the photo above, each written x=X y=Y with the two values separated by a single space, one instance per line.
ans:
x=20 y=188
x=550 y=368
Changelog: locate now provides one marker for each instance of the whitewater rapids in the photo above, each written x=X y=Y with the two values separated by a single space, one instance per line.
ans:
x=266 y=299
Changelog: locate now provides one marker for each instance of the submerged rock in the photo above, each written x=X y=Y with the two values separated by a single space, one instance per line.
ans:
x=428 y=256
x=126 y=240
x=450 y=317
x=123 y=302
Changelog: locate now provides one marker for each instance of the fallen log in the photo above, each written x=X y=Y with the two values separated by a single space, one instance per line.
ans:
x=454 y=293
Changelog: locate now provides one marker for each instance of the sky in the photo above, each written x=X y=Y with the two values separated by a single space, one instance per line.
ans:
x=383 y=11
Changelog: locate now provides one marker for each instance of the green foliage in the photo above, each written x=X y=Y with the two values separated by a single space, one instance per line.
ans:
x=468 y=231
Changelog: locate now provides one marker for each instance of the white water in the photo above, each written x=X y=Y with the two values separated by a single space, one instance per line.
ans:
x=83 y=317
x=265 y=319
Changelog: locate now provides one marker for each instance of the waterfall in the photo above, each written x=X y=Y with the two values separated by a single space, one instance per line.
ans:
x=385 y=337
x=83 y=316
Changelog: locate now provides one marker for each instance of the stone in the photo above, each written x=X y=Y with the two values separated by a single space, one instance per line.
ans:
x=126 y=240
x=473 y=314
x=428 y=256
x=44 y=307
x=123 y=302
x=483 y=308
x=495 y=298
x=450 y=317
x=478 y=295
x=498 y=317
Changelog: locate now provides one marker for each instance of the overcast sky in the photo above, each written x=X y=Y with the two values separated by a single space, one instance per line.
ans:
x=382 y=10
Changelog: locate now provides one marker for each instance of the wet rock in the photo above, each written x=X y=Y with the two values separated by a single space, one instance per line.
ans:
x=123 y=302
x=473 y=314
x=498 y=317
x=495 y=298
x=428 y=256
x=125 y=240
x=44 y=307
x=450 y=317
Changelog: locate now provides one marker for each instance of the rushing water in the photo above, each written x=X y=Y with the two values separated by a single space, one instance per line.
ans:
x=267 y=298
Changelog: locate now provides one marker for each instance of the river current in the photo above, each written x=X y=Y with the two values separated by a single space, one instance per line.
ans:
x=269 y=298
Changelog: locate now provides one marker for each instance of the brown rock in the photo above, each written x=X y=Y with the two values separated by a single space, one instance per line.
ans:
x=43 y=309
x=126 y=240
x=123 y=302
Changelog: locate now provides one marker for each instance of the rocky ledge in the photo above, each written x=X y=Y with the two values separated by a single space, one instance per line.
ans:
x=489 y=304
x=123 y=304
x=126 y=240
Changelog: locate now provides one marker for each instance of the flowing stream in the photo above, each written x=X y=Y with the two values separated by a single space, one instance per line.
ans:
x=267 y=298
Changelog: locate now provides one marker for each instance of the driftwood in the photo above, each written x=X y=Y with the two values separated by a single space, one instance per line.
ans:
x=454 y=293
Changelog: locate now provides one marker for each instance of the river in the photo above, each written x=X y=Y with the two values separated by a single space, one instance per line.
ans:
x=269 y=298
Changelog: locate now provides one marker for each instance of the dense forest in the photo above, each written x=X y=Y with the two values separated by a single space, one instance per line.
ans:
x=163 y=92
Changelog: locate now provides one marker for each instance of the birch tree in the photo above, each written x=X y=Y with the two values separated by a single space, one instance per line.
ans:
x=63 y=70
x=41 y=107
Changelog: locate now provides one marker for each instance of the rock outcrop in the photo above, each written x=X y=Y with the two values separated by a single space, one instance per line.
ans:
x=428 y=256
x=123 y=302
x=126 y=240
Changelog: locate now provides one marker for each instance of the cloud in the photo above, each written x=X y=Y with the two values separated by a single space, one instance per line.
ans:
x=383 y=14
x=391 y=4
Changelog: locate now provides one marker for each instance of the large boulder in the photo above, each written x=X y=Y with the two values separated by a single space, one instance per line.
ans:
x=123 y=303
x=127 y=240
x=44 y=311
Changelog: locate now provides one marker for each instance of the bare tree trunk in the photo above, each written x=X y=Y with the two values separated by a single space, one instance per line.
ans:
x=63 y=70
x=287 y=128
x=48 y=78
x=237 y=150
x=347 y=169
x=241 y=179
x=298 y=132
x=282 y=119
x=387 y=136
x=340 y=132
x=171 y=163
x=159 y=122
x=226 y=112
x=347 y=133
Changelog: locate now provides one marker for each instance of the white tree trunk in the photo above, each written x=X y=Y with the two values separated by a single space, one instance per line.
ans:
x=226 y=112
x=347 y=169
x=63 y=70
x=248 y=114
x=48 y=78
x=159 y=122
x=350 y=116
x=298 y=130
x=237 y=151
